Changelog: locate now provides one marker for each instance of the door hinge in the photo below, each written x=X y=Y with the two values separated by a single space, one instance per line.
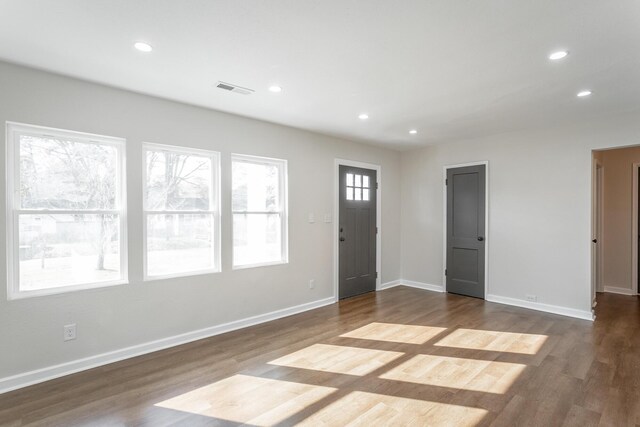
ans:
x=446 y=181
x=376 y=230
x=445 y=271
x=376 y=185
x=376 y=274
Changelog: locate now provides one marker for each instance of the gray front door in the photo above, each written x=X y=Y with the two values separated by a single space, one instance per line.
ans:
x=357 y=231
x=466 y=230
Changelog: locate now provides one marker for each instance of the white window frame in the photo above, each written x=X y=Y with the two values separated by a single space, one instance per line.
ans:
x=214 y=209
x=13 y=132
x=281 y=164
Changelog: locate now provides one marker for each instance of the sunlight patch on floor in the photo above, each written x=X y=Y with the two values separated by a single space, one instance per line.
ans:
x=494 y=341
x=338 y=359
x=453 y=372
x=393 y=332
x=247 y=399
x=371 y=409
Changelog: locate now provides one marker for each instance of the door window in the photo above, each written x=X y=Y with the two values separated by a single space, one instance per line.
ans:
x=358 y=187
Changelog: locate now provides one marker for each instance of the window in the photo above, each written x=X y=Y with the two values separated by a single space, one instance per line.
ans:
x=259 y=199
x=357 y=187
x=65 y=211
x=181 y=214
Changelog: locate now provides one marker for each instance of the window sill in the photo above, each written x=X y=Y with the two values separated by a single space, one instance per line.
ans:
x=18 y=295
x=263 y=264
x=178 y=275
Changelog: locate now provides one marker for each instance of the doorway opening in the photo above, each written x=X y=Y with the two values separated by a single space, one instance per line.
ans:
x=615 y=223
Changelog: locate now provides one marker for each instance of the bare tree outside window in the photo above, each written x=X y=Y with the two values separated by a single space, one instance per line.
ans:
x=68 y=209
x=180 y=206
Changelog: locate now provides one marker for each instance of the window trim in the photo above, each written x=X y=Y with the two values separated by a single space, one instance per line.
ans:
x=214 y=210
x=12 y=162
x=283 y=212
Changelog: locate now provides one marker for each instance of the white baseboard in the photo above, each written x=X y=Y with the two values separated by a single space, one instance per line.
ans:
x=51 y=372
x=548 y=308
x=617 y=290
x=570 y=312
x=411 y=284
x=563 y=311
x=420 y=285
x=388 y=285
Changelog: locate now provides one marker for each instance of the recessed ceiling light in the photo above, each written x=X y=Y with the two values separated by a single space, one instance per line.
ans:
x=413 y=131
x=363 y=116
x=143 y=47
x=275 y=89
x=558 y=55
x=584 y=93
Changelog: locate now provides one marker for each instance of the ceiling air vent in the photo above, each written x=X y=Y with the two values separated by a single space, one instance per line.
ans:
x=234 y=88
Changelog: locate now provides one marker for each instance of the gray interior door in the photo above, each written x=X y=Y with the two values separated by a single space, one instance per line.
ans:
x=466 y=230
x=357 y=231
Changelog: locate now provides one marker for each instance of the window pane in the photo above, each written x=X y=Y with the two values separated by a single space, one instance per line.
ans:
x=349 y=193
x=365 y=181
x=62 y=174
x=365 y=194
x=65 y=250
x=350 y=179
x=358 y=194
x=357 y=180
x=255 y=187
x=178 y=181
x=179 y=243
x=257 y=239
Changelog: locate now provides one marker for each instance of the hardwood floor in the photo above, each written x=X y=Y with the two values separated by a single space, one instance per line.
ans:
x=397 y=357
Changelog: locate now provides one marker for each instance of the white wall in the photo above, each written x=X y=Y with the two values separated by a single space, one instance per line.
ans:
x=539 y=209
x=116 y=317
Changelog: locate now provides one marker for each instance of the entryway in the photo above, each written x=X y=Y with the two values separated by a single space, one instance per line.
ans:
x=357 y=230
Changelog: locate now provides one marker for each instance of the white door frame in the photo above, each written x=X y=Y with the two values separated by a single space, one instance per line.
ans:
x=600 y=234
x=336 y=217
x=487 y=238
x=634 y=228
x=597 y=224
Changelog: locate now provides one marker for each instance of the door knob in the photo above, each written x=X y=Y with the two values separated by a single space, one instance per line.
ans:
x=342 y=239
x=480 y=239
x=595 y=240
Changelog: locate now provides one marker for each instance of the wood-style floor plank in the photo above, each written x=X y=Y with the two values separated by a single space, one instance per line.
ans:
x=397 y=357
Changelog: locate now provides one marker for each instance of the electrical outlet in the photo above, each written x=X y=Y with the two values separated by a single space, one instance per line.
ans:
x=70 y=332
x=312 y=284
x=531 y=298
x=327 y=217
x=312 y=218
